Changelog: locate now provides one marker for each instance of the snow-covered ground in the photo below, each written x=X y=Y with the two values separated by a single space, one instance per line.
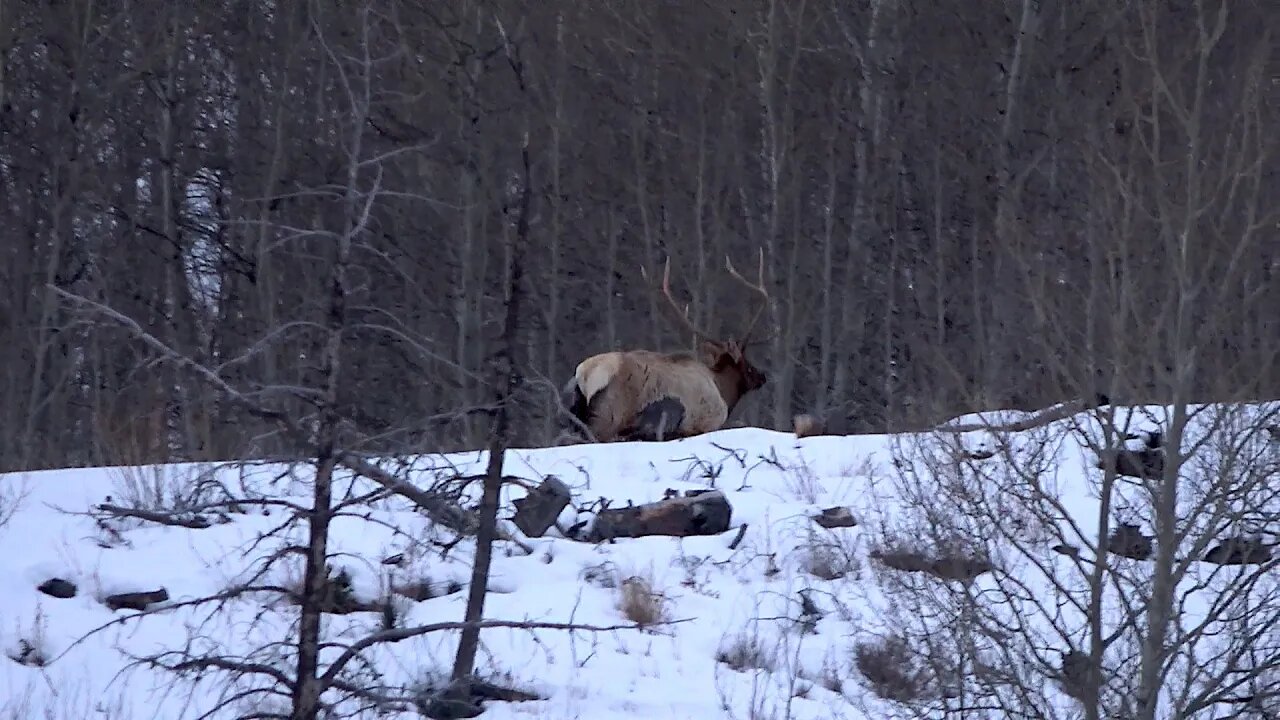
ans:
x=729 y=600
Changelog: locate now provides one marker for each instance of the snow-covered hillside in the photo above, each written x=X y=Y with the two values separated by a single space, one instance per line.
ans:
x=768 y=629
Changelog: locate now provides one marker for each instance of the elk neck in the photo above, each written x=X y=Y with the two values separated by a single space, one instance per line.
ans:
x=731 y=383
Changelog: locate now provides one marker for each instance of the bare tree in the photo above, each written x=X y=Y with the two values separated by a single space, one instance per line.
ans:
x=1122 y=557
x=344 y=210
x=506 y=379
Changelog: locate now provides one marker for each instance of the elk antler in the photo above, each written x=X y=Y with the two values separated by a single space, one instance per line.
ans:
x=757 y=287
x=681 y=315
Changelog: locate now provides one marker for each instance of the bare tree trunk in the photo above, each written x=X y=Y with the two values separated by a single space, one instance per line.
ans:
x=867 y=50
x=468 y=278
x=356 y=205
x=1160 y=606
x=267 y=295
x=164 y=194
x=826 y=321
x=773 y=161
x=306 y=694
x=506 y=379
x=610 y=282
x=703 y=291
x=65 y=178
x=551 y=339
x=1008 y=193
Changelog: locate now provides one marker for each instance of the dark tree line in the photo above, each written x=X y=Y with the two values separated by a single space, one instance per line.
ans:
x=960 y=206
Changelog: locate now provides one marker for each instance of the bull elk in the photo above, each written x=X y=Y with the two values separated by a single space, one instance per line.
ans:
x=622 y=395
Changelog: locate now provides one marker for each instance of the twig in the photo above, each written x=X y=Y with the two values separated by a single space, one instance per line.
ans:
x=195 y=522
x=399 y=634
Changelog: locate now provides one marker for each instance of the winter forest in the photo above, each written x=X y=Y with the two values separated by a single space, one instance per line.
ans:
x=293 y=295
x=959 y=207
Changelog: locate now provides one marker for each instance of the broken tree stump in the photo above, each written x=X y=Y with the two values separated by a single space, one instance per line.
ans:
x=815 y=424
x=537 y=511
x=699 y=512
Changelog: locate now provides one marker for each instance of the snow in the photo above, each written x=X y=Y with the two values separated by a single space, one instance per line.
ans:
x=724 y=598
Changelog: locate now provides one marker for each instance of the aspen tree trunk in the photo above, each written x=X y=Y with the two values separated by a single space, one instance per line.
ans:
x=357 y=206
x=267 y=295
x=506 y=377
x=822 y=393
x=65 y=179
x=856 y=264
x=775 y=159
x=610 y=282
x=784 y=369
x=165 y=196
x=651 y=253
x=469 y=278
x=555 y=244
x=772 y=157
x=702 y=287
x=942 y=239
x=1008 y=198
x=1097 y=578
x=889 y=329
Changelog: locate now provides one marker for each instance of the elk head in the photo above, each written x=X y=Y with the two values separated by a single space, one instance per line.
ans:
x=726 y=358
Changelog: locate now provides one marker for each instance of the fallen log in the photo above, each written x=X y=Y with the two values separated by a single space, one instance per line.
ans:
x=836 y=422
x=1051 y=414
x=698 y=512
x=135 y=600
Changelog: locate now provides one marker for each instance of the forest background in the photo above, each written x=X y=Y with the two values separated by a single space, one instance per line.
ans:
x=960 y=207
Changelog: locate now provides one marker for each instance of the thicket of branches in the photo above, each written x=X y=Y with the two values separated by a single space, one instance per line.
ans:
x=951 y=199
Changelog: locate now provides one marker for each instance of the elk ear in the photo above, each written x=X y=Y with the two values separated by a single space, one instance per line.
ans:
x=712 y=351
x=733 y=350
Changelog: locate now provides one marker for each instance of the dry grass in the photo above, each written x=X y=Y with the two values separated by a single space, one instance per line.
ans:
x=30 y=648
x=827 y=560
x=135 y=447
x=12 y=496
x=639 y=602
x=73 y=700
x=804 y=484
x=748 y=652
x=891 y=669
